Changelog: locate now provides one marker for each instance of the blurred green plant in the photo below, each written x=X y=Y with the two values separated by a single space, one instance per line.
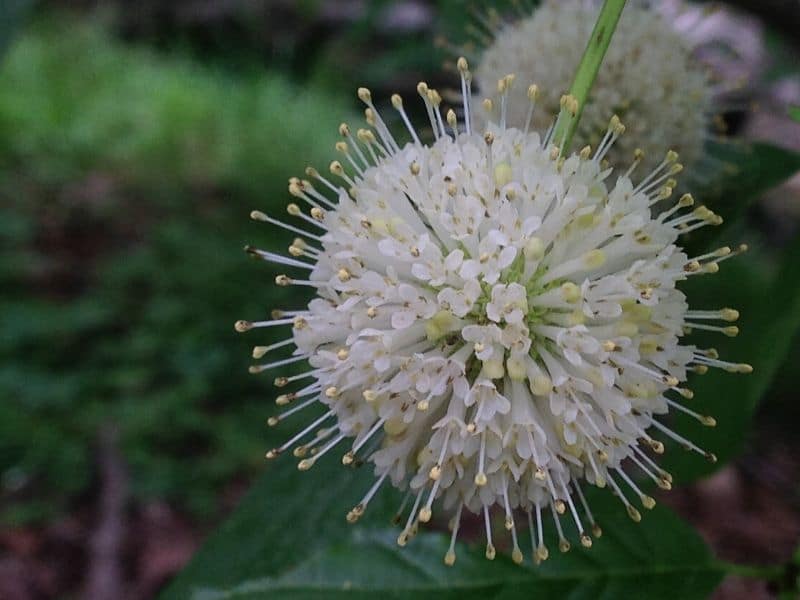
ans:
x=12 y=14
x=126 y=178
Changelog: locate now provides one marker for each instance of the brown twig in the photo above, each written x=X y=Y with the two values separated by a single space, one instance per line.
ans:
x=104 y=579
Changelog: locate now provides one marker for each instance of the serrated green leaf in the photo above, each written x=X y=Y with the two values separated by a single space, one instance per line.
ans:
x=769 y=303
x=289 y=539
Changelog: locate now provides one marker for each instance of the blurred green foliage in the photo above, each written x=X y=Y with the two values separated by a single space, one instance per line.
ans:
x=125 y=183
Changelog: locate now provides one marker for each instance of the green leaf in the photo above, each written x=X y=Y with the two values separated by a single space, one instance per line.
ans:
x=794 y=112
x=769 y=303
x=289 y=539
x=746 y=172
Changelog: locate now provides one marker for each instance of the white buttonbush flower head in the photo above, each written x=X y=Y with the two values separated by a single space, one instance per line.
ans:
x=495 y=325
x=649 y=77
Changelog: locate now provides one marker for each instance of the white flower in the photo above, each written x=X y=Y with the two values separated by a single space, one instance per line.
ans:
x=495 y=324
x=649 y=77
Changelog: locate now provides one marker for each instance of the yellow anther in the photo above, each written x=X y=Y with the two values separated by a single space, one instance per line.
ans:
x=691 y=266
x=542 y=553
x=364 y=95
x=355 y=514
x=708 y=421
x=634 y=514
x=336 y=168
x=366 y=136
x=490 y=551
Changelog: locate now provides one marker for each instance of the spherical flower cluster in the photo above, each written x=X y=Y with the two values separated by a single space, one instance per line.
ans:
x=495 y=324
x=649 y=77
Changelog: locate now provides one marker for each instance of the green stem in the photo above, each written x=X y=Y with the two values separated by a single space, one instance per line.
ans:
x=587 y=70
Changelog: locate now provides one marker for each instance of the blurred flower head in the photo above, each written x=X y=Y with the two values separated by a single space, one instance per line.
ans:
x=495 y=325
x=650 y=76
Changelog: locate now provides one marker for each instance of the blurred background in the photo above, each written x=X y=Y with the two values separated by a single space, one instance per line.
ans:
x=135 y=137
